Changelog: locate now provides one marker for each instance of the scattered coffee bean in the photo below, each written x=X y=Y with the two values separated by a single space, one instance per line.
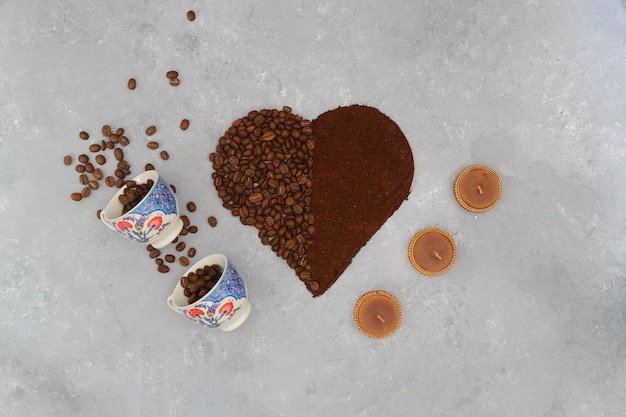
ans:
x=151 y=130
x=83 y=179
x=153 y=145
x=109 y=181
x=93 y=184
x=159 y=261
x=164 y=155
x=106 y=130
x=174 y=82
x=94 y=148
x=97 y=174
x=84 y=135
x=149 y=167
x=101 y=160
x=191 y=252
x=171 y=74
x=180 y=247
x=67 y=160
x=85 y=192
x=124 y=141
x=98 y=213
x=170 y=258
x=132 y=84
x=80 y=168
x=193 y=229
x=83 y=158
x=173 y=187
x=184 y=124
x=77 y=196
x=183 y=261
x=119 y=154
x=163 y=269
x=191 y=206
x=191 y=15
x=119 y=131
x=155 y=253
x=212 y=221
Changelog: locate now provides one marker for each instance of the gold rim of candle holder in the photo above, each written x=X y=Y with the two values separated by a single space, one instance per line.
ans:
x=460 y=200
x=412 y=258
x=365 y=297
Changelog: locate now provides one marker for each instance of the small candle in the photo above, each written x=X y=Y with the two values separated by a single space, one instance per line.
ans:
x=432 y=251
x=478 y=188
x=377 y=314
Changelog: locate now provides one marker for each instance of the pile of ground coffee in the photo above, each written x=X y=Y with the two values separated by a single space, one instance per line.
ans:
x=363 y=172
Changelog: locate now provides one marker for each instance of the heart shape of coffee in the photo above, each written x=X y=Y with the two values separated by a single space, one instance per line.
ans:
x=316 y=219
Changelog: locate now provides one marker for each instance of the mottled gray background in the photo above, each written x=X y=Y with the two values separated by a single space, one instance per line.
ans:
x=530 y=321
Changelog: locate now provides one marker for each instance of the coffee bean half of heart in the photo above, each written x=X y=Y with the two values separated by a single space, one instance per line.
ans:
x=316 y=222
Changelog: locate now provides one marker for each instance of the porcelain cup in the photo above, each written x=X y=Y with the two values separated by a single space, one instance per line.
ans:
x=225 y=307
x=154 y=220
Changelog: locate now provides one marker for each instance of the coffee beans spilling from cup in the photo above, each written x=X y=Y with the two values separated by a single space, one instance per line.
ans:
x=115 y=140
x=197 y=284
x=133 y=194
x=263 y=174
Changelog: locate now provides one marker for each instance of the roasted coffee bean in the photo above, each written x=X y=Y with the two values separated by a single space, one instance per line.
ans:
x=119 y=154
x=191 y=206
x=192 y=229
x=159 y=261
x=180 y=247
x=83 y=158
x=191 y=252
x=153 y=145
x=184 y=124
x=77 y=196
x=174 y=82
x=186 y=221
x=163 y=269
x=101 y=160
x=97 y=174
x=183 y=261
x=109 y=181
x=119 y=131
x=173 y=188
x=164 y=155
x=80 y=168
x=155 y=253
x=124 y=140
x=85 y=192
x=98 y=213
x=170 y=258
x=83 y=135
x=95 y=148
x=133 y=195
x=149 y=167
x=93 y=184
x=151 y=130
x=67 y=160
x=212 y=221
x=83 y=179
x=191 y=15
x=132 y=84
x=172 y=74
x=106 y=130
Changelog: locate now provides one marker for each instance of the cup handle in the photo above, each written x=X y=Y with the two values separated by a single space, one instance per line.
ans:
x=171 y=304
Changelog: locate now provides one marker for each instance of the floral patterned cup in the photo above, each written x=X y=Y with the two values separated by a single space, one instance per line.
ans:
x=225 y=307
x=154 y=220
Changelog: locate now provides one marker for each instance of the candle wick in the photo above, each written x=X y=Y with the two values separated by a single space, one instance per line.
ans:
x=437 y=255
x=480 y=190
x=379 y=317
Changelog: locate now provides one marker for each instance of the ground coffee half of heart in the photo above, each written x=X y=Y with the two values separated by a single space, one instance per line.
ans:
x=363 y=170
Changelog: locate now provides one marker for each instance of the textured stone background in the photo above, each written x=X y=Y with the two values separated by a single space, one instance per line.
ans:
x=530 y=321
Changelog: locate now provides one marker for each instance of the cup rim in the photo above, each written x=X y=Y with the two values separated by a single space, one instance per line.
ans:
x=178 y=289
x=146 y=175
